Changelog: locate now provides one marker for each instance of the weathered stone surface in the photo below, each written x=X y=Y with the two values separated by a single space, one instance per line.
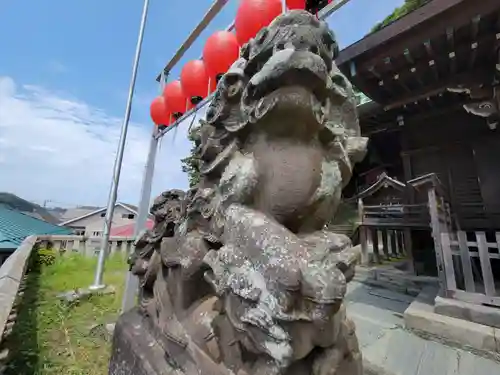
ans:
x=390 y=349
x=130 y=341
x=420 y=316
x=11 y=276
x=239 y=275
x=392 y=279
x=489 y=316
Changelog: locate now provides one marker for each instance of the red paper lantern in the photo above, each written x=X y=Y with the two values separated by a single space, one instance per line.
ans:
x=213 y=85
x=194 y=80
x=296 y=4
x=220 y=52
x=159 y=112
x=175 y=99
x=253 y=15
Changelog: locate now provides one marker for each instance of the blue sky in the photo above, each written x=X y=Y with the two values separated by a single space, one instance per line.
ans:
x=64 y=74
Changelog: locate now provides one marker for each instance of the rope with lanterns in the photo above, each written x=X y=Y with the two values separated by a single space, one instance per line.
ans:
x=199 y=78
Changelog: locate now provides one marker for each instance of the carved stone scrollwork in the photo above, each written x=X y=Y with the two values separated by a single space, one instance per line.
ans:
x=239 y=276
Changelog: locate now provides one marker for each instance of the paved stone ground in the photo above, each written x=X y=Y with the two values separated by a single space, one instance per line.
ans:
x=389 y=349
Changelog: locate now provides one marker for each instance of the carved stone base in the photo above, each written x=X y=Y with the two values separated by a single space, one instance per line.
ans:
x=135 y=350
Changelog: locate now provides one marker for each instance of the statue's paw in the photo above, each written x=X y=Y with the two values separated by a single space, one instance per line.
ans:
x=333 y=242
x=336 y=248
x=342 y=358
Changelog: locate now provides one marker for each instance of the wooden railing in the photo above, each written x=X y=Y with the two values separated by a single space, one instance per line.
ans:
x=468 y=266
x=385 y=230
x=12 y=284
x=396 y=215
x=384 y=243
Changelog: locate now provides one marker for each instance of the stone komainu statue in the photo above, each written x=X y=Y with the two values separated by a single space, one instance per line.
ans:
x=239 y=276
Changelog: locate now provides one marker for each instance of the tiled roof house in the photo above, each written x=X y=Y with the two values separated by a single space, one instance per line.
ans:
x=16 y=226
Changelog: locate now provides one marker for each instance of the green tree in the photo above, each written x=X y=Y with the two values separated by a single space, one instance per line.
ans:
x=403 y=10
x=191 y=163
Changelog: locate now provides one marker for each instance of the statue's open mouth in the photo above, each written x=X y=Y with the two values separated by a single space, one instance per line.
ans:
x=292 y=83
x=287 y=68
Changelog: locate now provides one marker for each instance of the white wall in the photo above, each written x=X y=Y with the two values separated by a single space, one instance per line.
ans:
x=5 y=255
x=94 y=224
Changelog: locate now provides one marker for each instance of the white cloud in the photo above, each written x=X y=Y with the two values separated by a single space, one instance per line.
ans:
x=56 y=147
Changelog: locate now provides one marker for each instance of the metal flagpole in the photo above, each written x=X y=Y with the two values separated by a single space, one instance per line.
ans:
x=98 y=282
x=132 y=282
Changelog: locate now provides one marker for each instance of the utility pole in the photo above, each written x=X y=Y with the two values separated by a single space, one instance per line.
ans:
x=98 y=281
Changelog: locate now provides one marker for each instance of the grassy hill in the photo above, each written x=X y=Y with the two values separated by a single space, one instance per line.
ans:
x=16 y=203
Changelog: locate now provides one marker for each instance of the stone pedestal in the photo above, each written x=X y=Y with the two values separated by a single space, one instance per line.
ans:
x=135 y=350
x=488 y=316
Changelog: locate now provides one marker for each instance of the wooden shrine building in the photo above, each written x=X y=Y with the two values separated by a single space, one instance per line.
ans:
x=433 y=76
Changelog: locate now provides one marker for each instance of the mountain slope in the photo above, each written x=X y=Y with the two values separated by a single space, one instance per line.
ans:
x=16 y=203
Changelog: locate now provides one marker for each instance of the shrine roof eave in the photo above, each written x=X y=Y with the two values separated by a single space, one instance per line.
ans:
x=445 y=42
x=383 y=181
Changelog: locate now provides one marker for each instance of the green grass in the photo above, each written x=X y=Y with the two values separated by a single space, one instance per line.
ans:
x=51 y=337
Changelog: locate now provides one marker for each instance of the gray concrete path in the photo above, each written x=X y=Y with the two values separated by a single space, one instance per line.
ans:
x=389 y=349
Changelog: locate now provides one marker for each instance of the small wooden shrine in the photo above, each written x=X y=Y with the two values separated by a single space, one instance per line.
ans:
x=433 y=76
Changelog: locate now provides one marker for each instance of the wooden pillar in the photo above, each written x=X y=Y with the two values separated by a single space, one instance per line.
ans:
x=363 y=235
x=397 y=250
x=409 y=196
x=401 y=246
x=394 y=245
x=408 y=245
x=390 y=250
x=436 y=230
x=375 y=241
x=385 y=244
